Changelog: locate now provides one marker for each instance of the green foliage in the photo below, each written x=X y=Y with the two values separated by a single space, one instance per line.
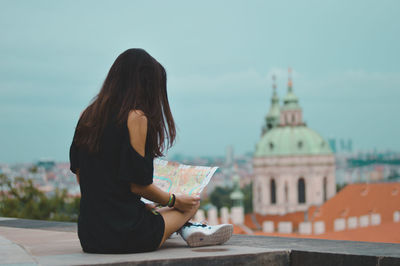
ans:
x=248 y=198
x=340 y=186
x=33 y=169
x=22 y=199
x=220 y=197
x=393 y=175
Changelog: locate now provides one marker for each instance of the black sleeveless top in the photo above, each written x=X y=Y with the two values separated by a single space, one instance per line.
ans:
x=112 y=219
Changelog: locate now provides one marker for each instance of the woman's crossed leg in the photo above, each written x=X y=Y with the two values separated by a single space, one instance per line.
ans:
x=175 y=219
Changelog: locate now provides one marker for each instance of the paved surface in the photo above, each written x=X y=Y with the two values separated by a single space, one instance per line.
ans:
x=36 y=242
x=31 y=242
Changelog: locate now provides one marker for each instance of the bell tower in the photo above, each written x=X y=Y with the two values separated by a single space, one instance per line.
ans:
x=291 y=112
x=273 y=115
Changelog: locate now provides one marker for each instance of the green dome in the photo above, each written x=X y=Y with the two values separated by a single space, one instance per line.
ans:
x=237 y=194
x=288 y=140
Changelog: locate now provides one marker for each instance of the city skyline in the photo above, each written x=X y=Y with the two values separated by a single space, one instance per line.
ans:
x=219 y=59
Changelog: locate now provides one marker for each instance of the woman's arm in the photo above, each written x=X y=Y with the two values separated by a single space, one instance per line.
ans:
x=77 y=175
x=151 y=192
x=155 y=194
x=137 y=125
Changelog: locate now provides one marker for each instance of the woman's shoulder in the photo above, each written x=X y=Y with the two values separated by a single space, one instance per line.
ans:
x=137 y=119
x=137 y=116
x=137 y=127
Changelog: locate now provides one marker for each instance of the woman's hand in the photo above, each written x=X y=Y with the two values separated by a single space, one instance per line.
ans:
x=150 y=206
x=186 y=203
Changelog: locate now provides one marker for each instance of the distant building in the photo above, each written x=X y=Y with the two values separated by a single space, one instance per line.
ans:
x=294 y=167
x=47 y=164
x=346 y=146
x=367 y=167
x=229 y=159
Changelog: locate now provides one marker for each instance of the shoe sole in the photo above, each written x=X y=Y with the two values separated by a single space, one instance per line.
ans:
x=219 y=237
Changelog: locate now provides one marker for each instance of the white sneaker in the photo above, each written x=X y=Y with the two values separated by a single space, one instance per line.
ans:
x=197 y=234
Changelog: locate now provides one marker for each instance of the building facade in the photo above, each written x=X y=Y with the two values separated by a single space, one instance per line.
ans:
x=294 y=167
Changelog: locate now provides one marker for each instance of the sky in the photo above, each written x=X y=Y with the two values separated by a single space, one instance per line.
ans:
x=219 y=57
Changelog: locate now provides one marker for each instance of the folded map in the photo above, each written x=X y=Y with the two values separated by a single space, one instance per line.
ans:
x=181 y=178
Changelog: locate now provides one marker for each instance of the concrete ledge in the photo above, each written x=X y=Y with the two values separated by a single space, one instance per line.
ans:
x=47 y=247
x=11 y=253
x=38 y=224
x=228 y=255
x=36 y=242
x=305 y=258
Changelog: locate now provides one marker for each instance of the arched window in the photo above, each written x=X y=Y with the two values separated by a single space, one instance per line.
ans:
x=286 y=192
x=301 y=190
x=259 y=193
x=273 y=191
x=325 y=188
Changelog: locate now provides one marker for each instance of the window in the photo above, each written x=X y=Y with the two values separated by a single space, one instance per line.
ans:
x=300 y=144
x=271 y=146
x=325 y=188
x=301 y=190
x=286 y=192
x=273 y=191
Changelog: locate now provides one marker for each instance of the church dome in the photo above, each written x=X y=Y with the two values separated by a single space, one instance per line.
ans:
x=291 y=140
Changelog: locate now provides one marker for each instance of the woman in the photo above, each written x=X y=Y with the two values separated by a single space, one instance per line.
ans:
x=118 y=135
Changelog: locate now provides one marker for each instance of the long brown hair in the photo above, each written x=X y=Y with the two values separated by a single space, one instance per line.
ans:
x=135 y=81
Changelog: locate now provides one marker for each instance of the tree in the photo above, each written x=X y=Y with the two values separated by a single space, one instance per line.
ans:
x=248 y=198
x=22 y=199
x=220 y=197
x=340 y=187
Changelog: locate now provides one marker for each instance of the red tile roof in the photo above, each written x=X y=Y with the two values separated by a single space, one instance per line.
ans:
x=360 y=199
x=353 y=200
x=386 y=233
x=294 y=217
